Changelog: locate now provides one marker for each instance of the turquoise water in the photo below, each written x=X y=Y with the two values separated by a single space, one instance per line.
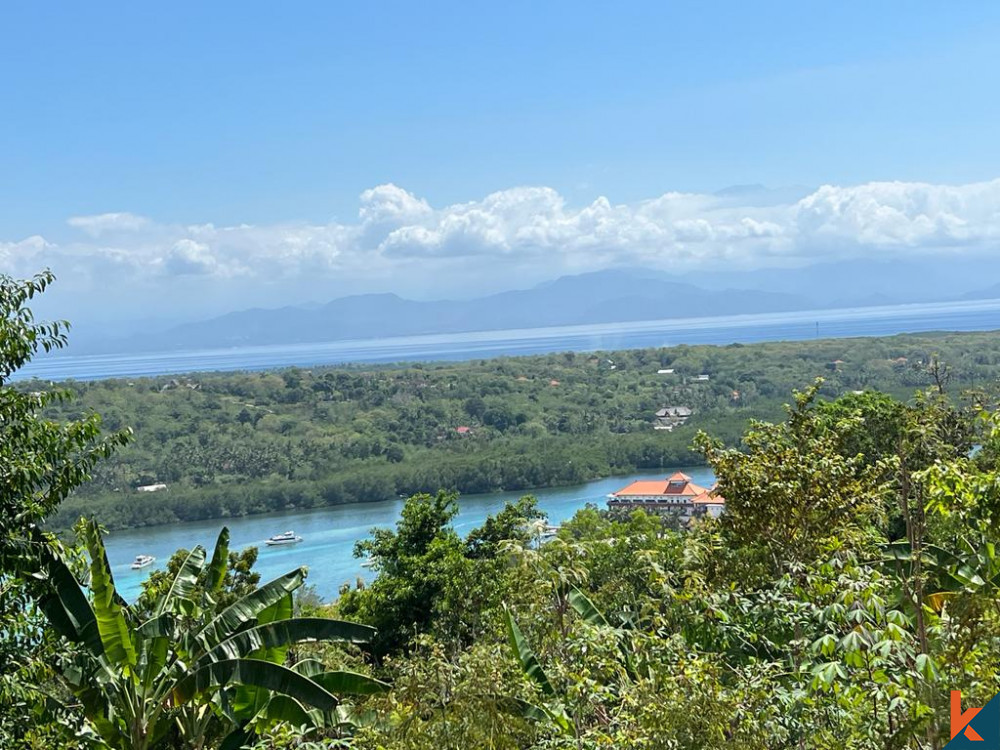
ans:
x=977 y=315
x=329 y=534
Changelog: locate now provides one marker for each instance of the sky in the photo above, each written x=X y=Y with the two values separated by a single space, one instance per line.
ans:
x=183 y=159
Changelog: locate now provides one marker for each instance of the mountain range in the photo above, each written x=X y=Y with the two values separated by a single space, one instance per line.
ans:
x=609 y=296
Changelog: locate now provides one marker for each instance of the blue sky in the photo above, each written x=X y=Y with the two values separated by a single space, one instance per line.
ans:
x=275 y=114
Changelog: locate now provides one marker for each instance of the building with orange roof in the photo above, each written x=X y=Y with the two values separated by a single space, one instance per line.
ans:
x=709 y=503
x=675 y=493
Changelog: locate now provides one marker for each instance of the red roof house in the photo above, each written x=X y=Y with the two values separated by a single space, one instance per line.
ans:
x=676 y=492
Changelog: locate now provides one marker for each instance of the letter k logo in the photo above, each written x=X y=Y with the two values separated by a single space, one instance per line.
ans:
x=960 y=721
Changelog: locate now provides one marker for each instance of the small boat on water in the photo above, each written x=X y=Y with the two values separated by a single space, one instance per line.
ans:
x=287 y=538
x=142 y=561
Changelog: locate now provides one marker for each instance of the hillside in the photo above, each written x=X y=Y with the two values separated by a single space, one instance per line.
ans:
x=234 y=444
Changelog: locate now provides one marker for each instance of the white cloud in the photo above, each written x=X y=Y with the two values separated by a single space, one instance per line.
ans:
x=401 y=236
x=899 y=214
x=190 y=257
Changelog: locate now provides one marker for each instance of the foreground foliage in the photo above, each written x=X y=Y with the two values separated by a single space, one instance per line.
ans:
x=190 y=669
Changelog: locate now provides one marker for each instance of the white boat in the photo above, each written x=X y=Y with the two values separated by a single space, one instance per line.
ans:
x=287 y=538
x=142 y=561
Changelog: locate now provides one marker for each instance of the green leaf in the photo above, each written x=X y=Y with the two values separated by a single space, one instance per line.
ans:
x=529 y=662
x=180 y=595
x=283 y=633
x=154 y=655
x=350 y=683
x=308 y=667
x=162 y=626
x=111 y=623
x=220 y=558
x=253 y=673
x=829 y=672
x=585 y=608
x=248 y=608
x=67 y=607
x=926 y=666
x=286 y=709
x=557 y=718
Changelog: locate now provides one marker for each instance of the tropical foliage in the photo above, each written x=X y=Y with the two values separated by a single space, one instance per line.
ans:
x=850 y=586
x=191 y=671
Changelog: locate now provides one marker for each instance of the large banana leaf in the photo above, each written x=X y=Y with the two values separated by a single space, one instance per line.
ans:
x=67 y=607
x=250 y=701
x=529 y=662
x=257 y=673
x=153 y=655
x=284 y=708
x=308 y=667
x=286 y=633
x=111 y=623
x=585 y=608
x=180 y=595
x=217 y=568
x=164 y=626
x=350 y=683
x=248 y=608
x=280 y=610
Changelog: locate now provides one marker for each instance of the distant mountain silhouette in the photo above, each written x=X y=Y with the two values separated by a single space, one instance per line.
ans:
x=600 y=297
x=610 y=296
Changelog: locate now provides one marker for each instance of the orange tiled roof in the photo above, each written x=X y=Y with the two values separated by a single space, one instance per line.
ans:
x=679 y=485
x=708 y=497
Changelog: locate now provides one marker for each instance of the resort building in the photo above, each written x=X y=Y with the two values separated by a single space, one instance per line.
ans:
x=675 y=493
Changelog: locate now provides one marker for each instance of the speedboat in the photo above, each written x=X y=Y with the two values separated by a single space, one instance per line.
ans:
x=287 y=538
x=142 y=561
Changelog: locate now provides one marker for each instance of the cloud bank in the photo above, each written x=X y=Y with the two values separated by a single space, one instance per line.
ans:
x=400 y=235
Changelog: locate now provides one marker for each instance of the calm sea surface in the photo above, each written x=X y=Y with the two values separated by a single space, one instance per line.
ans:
x=979 y=315
x=329 y=534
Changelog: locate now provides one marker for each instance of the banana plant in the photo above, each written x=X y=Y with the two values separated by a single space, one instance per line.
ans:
x=186 y=664
x=552 y=710
x=970 y=568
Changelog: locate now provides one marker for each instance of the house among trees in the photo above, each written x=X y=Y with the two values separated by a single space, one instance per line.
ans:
x=675 y=493
x=670 y=417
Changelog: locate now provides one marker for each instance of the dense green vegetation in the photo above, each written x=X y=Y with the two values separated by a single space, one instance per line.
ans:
x=234 y=444
x=850 y=585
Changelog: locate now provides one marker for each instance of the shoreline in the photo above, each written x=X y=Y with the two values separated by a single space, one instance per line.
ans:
x=64 y=530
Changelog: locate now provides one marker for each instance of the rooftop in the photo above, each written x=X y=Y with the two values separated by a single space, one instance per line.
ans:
x=676 y=485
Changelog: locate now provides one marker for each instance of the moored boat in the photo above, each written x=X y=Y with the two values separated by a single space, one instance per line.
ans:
x=287 y=538
x=142 y=561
